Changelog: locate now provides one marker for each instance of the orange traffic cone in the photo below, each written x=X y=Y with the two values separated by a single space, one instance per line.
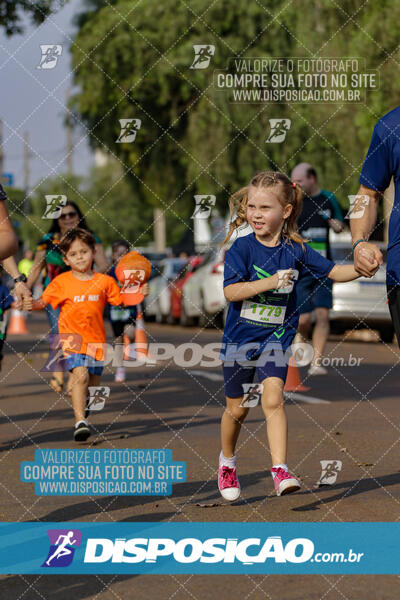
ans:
x=293 y=381
x=141 y=345
x=17 y=324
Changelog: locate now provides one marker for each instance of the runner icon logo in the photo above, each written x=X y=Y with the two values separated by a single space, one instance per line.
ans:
x=358 y=205
x=54 y=204
x=50 y=55
x=62 y=547
x=129 y=129
x=61 y=345
x=204 y=202
x=330 y=470
x=252 y=393
x=97 y=397
x=202 y=56
x=133 y=279
x=279 y=129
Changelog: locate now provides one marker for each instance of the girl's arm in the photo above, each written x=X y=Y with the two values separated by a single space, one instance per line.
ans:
x=343 y=273
x=235 y=292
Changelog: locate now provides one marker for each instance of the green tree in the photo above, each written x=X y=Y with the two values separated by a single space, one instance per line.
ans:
x=11 y=12
x=133 y=61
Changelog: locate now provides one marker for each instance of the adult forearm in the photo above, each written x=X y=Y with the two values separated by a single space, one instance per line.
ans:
x=363 y=220
x=11 y=267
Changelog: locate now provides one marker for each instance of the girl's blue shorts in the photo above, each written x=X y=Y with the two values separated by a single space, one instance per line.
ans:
x=235 y=376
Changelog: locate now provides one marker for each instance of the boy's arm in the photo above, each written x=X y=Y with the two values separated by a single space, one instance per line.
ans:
x=343 y=273
x=235 y=292
x=30 y=304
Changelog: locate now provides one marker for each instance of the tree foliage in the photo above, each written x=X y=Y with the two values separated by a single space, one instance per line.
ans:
x=133 y=61
x=11 y=13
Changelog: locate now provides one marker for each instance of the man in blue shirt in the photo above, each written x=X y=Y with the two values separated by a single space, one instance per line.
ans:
x=381 y=164
x=320 y=213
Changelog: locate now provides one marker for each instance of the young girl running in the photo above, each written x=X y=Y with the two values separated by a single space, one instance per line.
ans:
x=261 y=272
x=82 y=296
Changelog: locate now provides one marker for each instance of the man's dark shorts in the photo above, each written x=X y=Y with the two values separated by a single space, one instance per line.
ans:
x=313 y=293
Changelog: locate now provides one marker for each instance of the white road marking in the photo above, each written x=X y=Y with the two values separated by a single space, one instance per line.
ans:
x=306 y=399
x=210 y=376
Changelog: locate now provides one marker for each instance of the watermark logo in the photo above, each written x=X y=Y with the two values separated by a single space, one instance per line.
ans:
x=61 y=345
x=252 y=393
x=279 y=129
x=202 y=56
x=133 y=279
x=358 y=204
x=63 y=543
x=54 y=205
x=330 y=470
x=129 y=129
x=204 y=203
x=98 y=394
x=50 y=55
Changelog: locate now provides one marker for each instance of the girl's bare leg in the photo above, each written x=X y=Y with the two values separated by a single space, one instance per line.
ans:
x=231 y=424
x=274 y=410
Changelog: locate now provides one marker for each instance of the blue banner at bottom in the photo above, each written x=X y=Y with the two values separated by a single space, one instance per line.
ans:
x=207 y=548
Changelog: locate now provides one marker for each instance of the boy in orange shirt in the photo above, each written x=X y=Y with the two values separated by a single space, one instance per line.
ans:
x=82 y=296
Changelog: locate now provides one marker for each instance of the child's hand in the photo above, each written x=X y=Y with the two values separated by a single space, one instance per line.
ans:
x=27 y=303
x=145 y=289
x=285 y=278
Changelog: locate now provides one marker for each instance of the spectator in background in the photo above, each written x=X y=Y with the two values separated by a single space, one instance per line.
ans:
x=9 y=247
x=26 y=263
x=320 y=213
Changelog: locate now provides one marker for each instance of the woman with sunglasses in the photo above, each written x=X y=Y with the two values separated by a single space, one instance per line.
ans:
x=49 y=257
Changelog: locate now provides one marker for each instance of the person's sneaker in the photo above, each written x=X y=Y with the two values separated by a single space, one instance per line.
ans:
x=284 y=482
x=81 y=432
x=120 y=375
x=317 y=370
x=228 y=483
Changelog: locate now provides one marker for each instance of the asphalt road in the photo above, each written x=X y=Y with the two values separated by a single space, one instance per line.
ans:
x=353 y=417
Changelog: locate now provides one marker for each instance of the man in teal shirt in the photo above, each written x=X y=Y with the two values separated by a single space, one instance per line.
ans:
x=320 y=213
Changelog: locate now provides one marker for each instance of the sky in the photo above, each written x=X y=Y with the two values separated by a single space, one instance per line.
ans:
x=33 y=100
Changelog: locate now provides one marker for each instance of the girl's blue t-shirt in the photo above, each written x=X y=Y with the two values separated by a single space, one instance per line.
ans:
x=271 y=316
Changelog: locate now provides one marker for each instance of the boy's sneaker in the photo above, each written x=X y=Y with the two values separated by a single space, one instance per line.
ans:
x=284 y=482
x=120 y=375
x=228 y=483
x=81 y=432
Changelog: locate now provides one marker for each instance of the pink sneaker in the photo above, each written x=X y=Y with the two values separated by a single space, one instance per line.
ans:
x=228 y=483
x=284 y=482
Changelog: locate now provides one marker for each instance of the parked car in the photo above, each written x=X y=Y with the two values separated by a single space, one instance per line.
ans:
x=177 y=284
x=155 y=258
x=157 y=303
x=203 y=297
x=360 y=303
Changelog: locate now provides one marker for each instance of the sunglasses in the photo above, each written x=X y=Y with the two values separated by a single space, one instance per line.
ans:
x=69 y=214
